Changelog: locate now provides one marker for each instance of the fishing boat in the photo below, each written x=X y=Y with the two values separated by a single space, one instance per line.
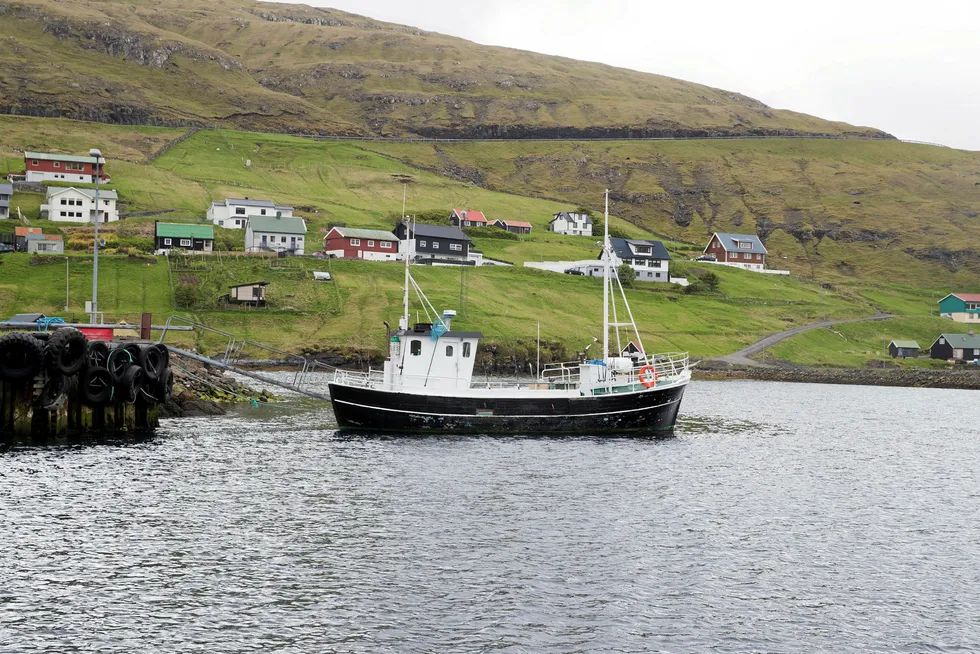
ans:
x=427 y=383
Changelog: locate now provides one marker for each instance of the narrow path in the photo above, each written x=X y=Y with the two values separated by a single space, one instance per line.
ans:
x=743 y=356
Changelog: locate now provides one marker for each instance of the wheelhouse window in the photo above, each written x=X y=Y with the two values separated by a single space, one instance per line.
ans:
x=449 y=350
x=466 y=350
x=416 y=348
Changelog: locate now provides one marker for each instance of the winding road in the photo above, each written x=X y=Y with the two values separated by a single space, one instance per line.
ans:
x=743 y=356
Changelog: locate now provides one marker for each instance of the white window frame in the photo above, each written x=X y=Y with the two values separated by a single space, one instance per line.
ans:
x=354 y=242
x=421 y=244
x=385 y=245
x=186 y=242
x=456 y=246
x=435 y=245
x=168 y=241
x=370 y=244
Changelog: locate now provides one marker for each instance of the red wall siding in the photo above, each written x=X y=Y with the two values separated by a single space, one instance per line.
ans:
x=46 y=166
x=337 y=242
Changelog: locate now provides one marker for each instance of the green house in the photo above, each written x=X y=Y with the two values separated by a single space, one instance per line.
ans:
x=961 y=307
x=184 y=236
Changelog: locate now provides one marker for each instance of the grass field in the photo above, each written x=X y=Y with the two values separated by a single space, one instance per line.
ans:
x=505 y=303
x=360 y=184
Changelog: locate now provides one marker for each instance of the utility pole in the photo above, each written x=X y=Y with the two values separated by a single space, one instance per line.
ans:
x=94 y=152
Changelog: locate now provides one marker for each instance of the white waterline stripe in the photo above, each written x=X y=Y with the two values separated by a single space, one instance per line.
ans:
x=474 y=415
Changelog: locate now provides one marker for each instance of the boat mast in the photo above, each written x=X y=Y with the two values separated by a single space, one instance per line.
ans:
x=605 y=282
x=408 y=252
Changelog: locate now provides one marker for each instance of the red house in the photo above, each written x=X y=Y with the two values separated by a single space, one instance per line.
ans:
x=44 y=167
x=369 y=244
x=467 y=218
x=741 y=250
x=515 y=226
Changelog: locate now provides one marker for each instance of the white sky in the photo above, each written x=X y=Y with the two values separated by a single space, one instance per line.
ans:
x=911 y=69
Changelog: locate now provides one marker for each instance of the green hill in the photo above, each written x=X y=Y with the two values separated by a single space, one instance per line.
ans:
x=910 y=191
x=282 y=67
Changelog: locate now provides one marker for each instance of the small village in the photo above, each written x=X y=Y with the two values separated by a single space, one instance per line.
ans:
x=75 y=195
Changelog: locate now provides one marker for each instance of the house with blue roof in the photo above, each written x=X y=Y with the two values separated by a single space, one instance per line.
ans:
x=740 y=250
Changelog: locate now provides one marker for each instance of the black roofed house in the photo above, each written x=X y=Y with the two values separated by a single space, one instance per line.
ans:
x=437 y=244
x=903 y=349
x=649 y=259
x=740 y=250
x=956 y=347
x=252 y=294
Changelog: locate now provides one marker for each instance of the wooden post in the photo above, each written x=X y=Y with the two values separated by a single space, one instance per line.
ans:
x=145 y=322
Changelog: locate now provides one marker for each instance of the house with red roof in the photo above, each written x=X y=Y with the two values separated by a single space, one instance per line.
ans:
x=961 y=307
x=514 y=226
x=467 y=218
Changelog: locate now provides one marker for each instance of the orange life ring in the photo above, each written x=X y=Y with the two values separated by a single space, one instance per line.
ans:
x=645 y=379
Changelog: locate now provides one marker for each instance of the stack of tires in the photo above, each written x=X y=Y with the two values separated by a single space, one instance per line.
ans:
x=103 y=373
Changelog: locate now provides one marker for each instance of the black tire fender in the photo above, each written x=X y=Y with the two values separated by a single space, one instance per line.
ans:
x=163 y=388
x=55 y=392
x=152 y=362
x=98 y=353
x=21 y=357
x=96 y=386
x=66 y=351
x=118 y=362
x=131 y=384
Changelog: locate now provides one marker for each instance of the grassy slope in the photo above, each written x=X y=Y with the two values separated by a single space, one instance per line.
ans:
x=505 y=303
x=345 y=182
x=230 y=63
x=844 y=211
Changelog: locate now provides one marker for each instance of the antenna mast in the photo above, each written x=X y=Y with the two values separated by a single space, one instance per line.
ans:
x=605 y=283
x=408 y=254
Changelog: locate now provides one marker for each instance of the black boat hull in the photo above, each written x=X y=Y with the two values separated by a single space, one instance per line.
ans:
x=648 y=412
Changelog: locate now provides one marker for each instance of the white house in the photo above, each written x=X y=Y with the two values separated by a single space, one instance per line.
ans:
x=6 y=192
x=77 y=205
x=234 y=212
x=275 y=234
x=571 y=222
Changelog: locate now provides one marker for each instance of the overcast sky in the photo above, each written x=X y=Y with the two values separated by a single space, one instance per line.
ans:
x=911 y=69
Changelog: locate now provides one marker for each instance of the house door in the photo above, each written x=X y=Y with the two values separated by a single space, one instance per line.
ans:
x=265 y=240
x=292 y=243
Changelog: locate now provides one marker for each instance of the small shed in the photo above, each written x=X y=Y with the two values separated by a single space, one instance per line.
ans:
x=903 y=349
x=252 y=293
x=632 y=350
x=45 y=244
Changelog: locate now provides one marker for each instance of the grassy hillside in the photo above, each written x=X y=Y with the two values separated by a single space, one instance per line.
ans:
x=281 y=67
x=505 y=303
x=842 y=211
x=858 y=259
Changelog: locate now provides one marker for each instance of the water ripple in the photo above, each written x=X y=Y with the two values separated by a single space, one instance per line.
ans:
x=780 y=518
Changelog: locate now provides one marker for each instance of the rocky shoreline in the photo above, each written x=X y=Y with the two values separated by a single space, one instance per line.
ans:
x=200 y=390
x=957 y=378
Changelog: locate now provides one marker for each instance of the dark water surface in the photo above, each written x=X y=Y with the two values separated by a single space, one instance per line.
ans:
x=782 y=518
